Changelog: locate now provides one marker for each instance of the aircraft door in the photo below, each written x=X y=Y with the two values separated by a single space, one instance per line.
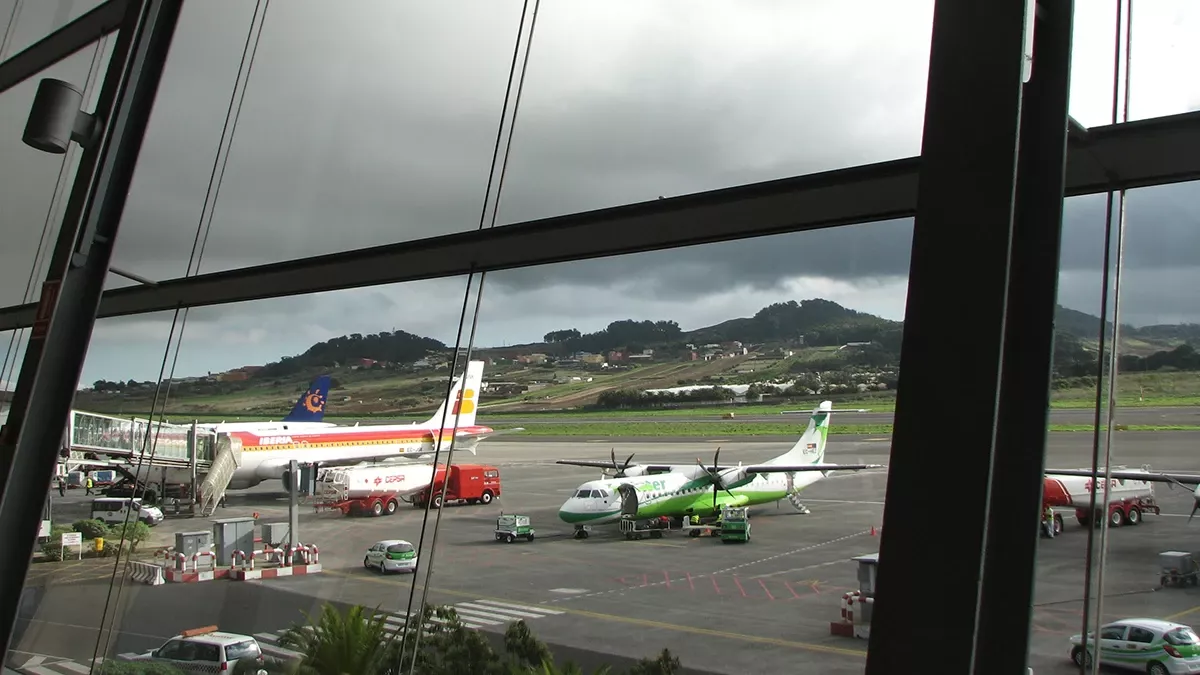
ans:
x=629 y=500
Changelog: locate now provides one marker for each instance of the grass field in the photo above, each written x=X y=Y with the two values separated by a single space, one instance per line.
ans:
x=736 y=430
x=375 y=398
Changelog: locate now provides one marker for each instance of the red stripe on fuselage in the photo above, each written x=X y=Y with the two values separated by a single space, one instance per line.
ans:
x=251 y=440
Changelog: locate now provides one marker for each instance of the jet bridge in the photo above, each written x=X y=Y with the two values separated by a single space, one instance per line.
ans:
x=96 y=439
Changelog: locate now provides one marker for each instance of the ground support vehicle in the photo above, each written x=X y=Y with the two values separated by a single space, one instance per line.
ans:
x=735 y=524
x=512 y=527
x=374 y=504
x=1178 y=568
x=1126 y=511
x=710 y=526
x=470 y=483
x=1139 y=645
x=646 y=527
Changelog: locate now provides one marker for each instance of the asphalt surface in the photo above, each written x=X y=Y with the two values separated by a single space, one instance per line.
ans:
x=760 y=607
x=1161 y=416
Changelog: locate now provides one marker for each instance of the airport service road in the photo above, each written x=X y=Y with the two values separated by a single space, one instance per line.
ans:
x=726 y=608
x=1164 y=416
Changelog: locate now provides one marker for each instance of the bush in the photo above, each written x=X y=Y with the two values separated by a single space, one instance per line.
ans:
x=134 y=532
x=92 y=528
x=53 y=548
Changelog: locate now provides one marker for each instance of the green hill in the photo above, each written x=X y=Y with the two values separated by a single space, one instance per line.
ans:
x=805 y=341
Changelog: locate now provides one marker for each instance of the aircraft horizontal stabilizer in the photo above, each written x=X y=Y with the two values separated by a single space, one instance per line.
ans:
x=779 y=468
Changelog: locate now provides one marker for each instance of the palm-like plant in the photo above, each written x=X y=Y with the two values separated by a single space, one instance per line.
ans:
x=353 y=643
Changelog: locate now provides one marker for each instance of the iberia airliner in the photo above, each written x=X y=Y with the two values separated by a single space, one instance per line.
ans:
x=266 y=452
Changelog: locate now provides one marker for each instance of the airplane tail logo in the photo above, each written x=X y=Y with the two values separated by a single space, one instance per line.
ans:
x=311 y=405
x=463 y=399
x=810 y=449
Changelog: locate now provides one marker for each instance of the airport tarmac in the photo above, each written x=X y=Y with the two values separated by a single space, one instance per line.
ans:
x=1160 y=416
x=762 y=607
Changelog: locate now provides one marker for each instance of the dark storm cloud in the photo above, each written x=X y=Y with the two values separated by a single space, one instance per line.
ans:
x=375 y=124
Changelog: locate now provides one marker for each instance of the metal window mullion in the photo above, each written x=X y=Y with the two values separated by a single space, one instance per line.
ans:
x=939 y=473
x=53 y=361
x=1006 y=600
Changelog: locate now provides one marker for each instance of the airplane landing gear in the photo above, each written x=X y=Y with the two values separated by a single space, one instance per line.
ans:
x=581 y=532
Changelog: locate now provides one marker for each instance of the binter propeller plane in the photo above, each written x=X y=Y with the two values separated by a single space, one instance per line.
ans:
x=681 y=490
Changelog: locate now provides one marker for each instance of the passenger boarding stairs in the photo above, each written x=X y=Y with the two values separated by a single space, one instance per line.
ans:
x=212 y=489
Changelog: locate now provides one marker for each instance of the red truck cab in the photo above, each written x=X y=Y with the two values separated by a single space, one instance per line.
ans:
x=470 y=483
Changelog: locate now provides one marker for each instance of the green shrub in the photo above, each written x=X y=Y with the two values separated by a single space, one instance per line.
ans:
x=92 y=528
x=53 y=547
x=134 y=532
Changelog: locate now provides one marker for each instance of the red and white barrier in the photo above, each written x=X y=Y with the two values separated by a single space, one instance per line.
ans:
x=273 y=572
x=146 y=573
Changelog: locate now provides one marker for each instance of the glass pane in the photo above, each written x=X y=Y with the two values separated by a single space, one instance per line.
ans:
x=375 y=123
x=34 y=188
x=1161 y=44
x=25 y=23
x=1133 y=544
x=34 y=185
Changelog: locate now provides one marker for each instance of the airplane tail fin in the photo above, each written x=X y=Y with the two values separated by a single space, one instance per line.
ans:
x=310 y=407
x=463 y=399
x=810 y=449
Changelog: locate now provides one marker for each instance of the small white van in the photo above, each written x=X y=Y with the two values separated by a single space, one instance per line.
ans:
x=112 y=510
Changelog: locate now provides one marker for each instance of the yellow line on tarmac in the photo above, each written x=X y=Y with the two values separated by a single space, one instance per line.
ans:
x=648 y=623
x=1180 y=615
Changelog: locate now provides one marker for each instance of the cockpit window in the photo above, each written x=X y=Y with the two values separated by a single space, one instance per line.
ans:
x=584 y=494
x=602 y=493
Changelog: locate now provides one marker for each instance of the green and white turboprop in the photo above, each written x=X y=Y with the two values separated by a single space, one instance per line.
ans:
x=682 y=490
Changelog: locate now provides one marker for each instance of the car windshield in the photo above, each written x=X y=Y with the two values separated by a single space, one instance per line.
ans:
x=1182 y=636
x=242 y=650
x=400 y=548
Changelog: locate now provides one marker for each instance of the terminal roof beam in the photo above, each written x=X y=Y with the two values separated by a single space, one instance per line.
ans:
x=62 y=43
x=1130 y=155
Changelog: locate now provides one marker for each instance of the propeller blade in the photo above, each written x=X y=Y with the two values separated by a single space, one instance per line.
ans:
x=1195 y=507
x=628 y=460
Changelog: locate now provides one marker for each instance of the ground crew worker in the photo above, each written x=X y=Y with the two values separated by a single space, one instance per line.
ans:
x=62 y=486
x=1048 y=520
x=87 y=484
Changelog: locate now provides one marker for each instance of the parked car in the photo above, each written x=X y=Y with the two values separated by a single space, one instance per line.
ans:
x=206 y=650
x=1149 y=646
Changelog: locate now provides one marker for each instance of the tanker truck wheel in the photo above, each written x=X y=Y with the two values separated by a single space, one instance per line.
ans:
x=486 y=497
x=377 y=508
x=392 y=506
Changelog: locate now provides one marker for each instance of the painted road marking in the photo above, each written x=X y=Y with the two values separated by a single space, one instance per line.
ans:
x=646 y=623
x=570 y=591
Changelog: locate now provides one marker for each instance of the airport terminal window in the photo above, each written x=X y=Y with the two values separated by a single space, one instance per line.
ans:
x=695 y=380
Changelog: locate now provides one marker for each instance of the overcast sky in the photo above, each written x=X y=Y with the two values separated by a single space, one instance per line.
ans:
x=375 y=124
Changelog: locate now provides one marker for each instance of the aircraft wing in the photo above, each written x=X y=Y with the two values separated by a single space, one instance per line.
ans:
x=784 y=468
x=608 y=465
x=1126 y=474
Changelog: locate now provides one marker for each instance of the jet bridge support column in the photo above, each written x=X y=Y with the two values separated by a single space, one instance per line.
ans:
x=293 y=511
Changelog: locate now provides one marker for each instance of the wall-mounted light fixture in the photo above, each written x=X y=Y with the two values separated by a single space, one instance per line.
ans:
x=56 y=118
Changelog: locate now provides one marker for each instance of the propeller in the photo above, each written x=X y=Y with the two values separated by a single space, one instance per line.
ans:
x=1195 y=504
x=619 y=471
x=715 y=474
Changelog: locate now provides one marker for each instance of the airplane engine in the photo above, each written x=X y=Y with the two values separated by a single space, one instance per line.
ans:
x=733 y=476
x=634 y=471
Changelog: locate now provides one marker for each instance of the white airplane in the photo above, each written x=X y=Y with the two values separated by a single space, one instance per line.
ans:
x=682 y=490
x=268 y=449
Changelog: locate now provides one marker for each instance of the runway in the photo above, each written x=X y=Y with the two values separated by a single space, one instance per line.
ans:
x=760 y=607
x=1160 y=416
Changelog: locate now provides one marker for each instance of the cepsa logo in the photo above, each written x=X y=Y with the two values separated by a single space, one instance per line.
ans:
x=395 y=478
